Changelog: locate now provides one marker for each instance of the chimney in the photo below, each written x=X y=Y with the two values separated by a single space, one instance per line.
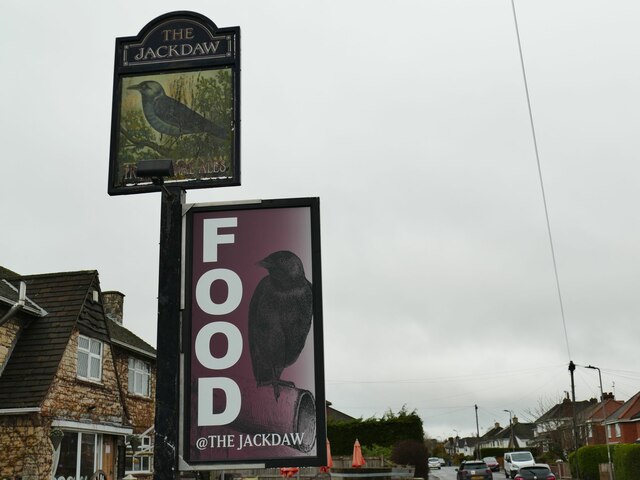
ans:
x=608 y=396
x=113 y=304
x=515 y=420
x=497 y=425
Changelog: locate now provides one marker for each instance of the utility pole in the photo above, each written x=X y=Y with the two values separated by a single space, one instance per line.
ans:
x=478 y=452
x=572 y=368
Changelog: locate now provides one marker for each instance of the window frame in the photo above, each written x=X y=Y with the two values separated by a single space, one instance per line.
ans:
x=145 y=451
x=145 y=375
x=96 y=446
x=90 y=355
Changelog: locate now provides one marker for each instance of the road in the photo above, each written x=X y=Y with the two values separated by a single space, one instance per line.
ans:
x=445 y=473
x=449 y=473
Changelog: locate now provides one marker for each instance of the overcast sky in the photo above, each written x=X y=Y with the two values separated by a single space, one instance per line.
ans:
x=409 y=120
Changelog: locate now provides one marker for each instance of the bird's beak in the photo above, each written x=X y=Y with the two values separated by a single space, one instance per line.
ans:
x=265 y=263
x=134 y=87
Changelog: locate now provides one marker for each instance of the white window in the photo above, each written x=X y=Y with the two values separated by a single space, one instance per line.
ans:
x=79 y=455
x=140 y=460
x=139 y=377
x=590 y=429
x=618 y=431
x=89 y=359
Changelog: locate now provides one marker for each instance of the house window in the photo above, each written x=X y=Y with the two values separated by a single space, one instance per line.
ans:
x=140 y=460
x=590 y=430
x=139 y=377
x=618 y=431
x=79 y=455
x=89 y=358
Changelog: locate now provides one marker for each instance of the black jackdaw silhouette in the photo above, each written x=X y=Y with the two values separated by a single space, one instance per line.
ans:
x=169 y=116
x=280 y=315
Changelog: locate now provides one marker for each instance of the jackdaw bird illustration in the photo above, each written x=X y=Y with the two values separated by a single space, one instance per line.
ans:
x=170 y=117
x=280 y=315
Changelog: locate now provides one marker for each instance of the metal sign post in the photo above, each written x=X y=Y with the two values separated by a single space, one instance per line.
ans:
x=168 y=336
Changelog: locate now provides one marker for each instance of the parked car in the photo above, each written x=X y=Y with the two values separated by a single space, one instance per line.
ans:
x=442 y=462
x=514 y=461
x=539 y=471
x=474 y=470
x=434 y=462
x=492 y=463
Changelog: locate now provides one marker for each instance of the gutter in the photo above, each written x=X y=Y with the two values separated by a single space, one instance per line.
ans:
x=22 y=296
x=19 y=411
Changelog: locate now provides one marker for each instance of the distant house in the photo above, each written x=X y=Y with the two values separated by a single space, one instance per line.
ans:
x=334 y=415
x=593 y=418
x=66 y=405
x=555 y=428
x=489 y=439
x=467 y=446
x=623 y=425
x=516 y=435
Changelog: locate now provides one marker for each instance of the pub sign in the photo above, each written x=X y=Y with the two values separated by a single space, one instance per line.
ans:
x=176 y=96
x=254 y=377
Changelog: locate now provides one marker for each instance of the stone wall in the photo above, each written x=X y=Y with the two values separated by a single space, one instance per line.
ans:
x=74 y=399
x=140 y=410
x=25 y=448
x=8 y=334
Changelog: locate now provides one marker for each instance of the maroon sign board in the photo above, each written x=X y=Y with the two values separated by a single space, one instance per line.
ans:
x=252 y=331
x=176 y=96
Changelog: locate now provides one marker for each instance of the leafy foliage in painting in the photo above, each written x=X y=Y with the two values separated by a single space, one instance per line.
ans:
x=188 y=117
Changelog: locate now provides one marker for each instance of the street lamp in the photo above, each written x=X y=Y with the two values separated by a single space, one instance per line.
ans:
x=510 y=428
x=604 y=417
x=455 y=442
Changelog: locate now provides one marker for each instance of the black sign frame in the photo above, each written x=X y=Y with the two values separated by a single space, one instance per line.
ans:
x=184 y=56
x=261 y=208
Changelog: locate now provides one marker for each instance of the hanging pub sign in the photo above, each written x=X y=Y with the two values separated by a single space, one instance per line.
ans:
x=176 y=96
x=253 y=370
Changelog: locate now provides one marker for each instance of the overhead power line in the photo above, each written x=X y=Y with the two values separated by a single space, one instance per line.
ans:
x=544 y=197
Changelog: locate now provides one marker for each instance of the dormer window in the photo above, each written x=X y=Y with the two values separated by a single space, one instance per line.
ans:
x=89 y=359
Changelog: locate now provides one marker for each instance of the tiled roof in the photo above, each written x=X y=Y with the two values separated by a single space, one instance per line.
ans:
x=594 y=413
x=10 y=293
x=67 y=299
x=6 y=273
x=492 y=433
x=564 y=410
x=630 y=410
x=123 y=338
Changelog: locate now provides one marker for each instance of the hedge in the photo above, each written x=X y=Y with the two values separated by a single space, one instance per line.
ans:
x=385 y=432
x=625 y=459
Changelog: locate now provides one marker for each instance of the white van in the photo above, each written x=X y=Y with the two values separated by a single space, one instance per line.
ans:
x=513 y=461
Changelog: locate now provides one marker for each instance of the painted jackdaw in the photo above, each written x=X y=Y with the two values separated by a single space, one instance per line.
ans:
x=280 y=315
x=170 y=117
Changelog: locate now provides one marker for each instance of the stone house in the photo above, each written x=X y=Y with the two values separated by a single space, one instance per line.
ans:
x=70 y=399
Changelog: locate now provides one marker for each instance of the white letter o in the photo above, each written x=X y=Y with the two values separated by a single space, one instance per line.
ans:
x=203 y=291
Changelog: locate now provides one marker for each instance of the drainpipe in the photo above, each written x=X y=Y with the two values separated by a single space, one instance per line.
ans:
x=22 y=295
